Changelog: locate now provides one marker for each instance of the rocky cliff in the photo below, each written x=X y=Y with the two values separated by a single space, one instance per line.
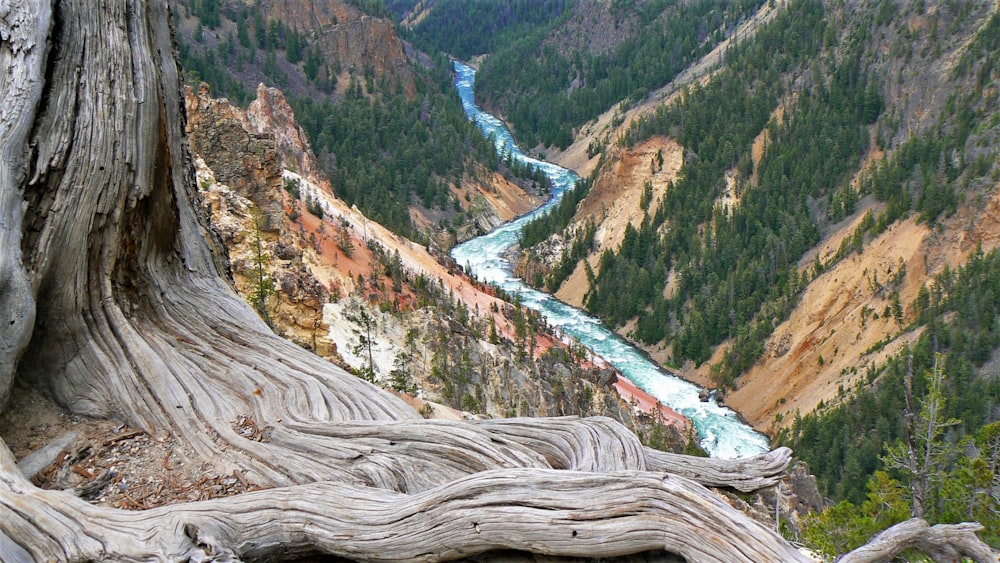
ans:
x=373 y=302
x=356 y=40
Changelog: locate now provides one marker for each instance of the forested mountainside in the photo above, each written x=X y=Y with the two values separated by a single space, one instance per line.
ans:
x=826 y=228
x=468 y=29
x=549 y=76
x=358 y=90
x=333 y=281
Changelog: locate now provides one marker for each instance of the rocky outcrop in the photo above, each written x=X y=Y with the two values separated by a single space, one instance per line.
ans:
x=484 y=220
x=270 y=116
x=457 y=364
x=448 y=359
x=243 y=159
x=346 y=34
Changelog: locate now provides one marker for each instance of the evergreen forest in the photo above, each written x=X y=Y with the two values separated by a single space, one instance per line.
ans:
x=547 y=91
x=385 y=150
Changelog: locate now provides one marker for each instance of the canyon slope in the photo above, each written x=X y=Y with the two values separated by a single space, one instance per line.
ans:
x=822 y=349
x=377 y=304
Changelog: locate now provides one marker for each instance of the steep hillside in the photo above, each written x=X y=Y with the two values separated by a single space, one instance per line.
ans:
x=469 y=29
x=549 y=83
x=835 y=167
x=613 y=205
x=549 y=67
x=353 y=39
x=342 y=285
x=359 y=90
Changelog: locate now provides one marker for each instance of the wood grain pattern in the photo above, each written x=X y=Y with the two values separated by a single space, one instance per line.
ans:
x=943 y=542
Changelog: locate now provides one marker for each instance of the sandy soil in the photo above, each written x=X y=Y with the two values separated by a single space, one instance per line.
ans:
x=508 y=199
x=823 y=347
x=648 y=404
x=576 y=286
x=762 y=139
x=840 y=327
x=614 y=201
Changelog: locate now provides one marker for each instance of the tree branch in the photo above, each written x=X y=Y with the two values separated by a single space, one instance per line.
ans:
x=943 y=542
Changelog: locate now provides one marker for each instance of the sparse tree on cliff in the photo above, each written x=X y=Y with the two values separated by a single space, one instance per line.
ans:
x=923 y=457
x=262 y=284
x=344 y=238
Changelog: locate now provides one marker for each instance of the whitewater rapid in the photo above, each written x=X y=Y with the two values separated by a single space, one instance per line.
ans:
x=723 y=434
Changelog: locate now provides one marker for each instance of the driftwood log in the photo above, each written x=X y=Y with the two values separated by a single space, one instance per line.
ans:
x=112 y=299
x=943 y=542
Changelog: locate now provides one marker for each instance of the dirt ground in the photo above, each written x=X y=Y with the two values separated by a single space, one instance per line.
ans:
x=111 y=464
x=614 y=202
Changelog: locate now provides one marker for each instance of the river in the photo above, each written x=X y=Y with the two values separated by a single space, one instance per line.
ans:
x=723 y=434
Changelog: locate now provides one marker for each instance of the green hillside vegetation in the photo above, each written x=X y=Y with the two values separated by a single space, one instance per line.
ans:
x=384 y=151
x=739 y=277
x=391 y=152
x=545 y=93
x=558 y=218
x=465 y=29
x=929 y=473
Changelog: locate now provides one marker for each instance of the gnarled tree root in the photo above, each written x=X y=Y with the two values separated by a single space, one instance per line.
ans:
x=537 y=510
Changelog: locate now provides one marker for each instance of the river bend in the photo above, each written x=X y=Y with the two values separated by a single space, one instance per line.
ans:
x=723 y=434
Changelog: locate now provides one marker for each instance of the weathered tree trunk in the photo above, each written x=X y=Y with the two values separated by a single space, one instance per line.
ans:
x=23 y=33
x=113 y=300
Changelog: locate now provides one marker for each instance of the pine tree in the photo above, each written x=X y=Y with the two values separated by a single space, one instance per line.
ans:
x=923 y=458
x=262 y=284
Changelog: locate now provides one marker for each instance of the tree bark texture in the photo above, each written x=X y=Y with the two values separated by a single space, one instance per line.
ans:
x=24 y=31
x=114 y=301
x=541 y=511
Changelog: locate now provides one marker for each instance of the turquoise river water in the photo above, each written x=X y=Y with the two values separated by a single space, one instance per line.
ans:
x=723 y=434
